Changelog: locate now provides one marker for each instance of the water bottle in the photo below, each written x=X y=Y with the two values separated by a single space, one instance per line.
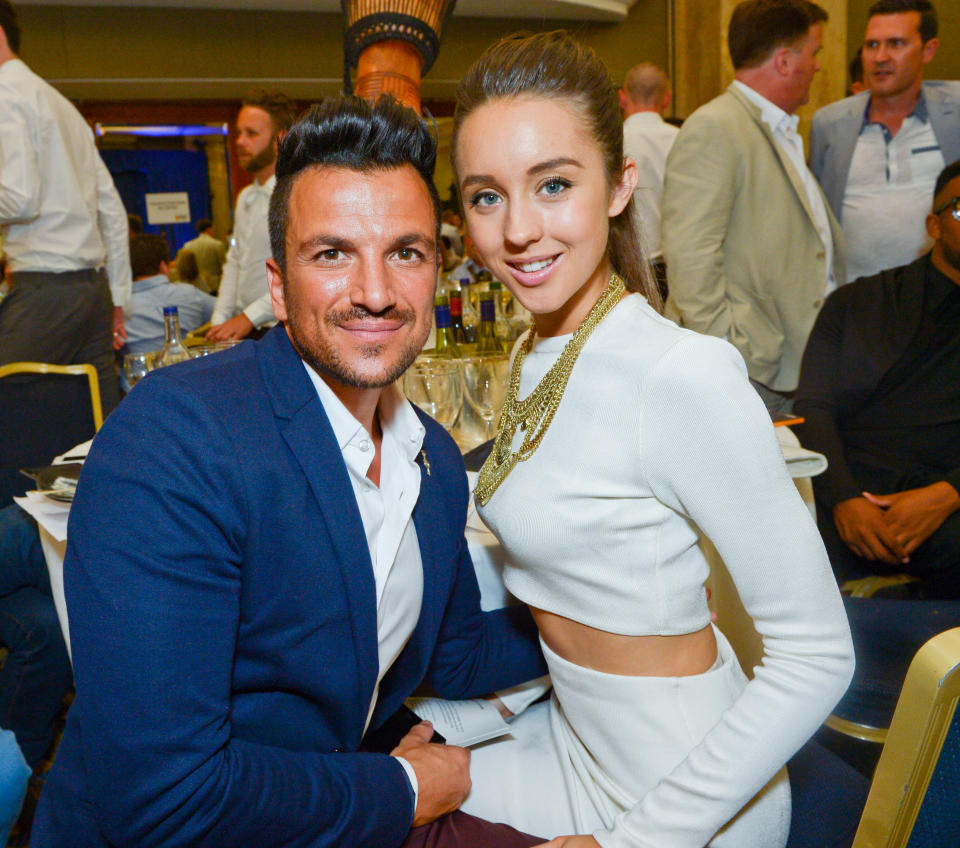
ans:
x=173 y=349
x=487 y=341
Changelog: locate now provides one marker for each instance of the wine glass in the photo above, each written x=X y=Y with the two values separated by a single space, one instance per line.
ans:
x=485 y=383
x=434 y=386
x=136 y=366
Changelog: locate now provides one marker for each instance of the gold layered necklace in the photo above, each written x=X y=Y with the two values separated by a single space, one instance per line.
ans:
x=532 y=416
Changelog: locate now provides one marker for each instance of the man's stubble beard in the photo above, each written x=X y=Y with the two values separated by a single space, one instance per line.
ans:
x=324 y=358
x=264 y=159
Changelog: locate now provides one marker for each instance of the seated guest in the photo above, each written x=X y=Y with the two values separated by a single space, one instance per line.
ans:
x=210 y=252
x=152 y=291
x=186 y=270
x=36 y=673
x=879 y=393
x=291 y=564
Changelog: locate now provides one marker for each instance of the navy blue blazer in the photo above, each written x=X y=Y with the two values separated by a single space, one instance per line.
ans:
x=223 y=621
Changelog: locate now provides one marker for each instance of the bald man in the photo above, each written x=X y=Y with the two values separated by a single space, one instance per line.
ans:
x=647 y=140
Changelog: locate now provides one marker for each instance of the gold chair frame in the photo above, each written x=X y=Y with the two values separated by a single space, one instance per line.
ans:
x=84 y=369
x=920 y=725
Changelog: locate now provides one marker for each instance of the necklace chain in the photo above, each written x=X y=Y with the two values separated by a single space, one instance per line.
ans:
x=532 y=416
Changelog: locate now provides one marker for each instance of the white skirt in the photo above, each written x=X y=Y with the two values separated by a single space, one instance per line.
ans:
x=573 y=764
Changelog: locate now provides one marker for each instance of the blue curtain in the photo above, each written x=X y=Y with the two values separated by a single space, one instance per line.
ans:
x=137 y=173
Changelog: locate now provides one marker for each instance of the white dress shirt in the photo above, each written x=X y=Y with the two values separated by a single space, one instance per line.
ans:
x=784 y=129
x=647 y=140
x=59 y=208
x=243 y=286
x=888 y=194
x=387 y=515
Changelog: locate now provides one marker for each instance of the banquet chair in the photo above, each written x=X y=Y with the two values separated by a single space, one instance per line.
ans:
x=913 y=795
x=44 y=411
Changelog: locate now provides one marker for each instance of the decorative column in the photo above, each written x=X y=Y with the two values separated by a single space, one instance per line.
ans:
x=392 y=44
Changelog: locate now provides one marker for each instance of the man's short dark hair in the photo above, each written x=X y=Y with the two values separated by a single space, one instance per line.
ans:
x=147 y=251
x=10 y=25
x=856 y=68
x=951 y=172
x=203 y=225
x=350 y=132
x=758 y=27
x=928 y=15
x=281 y=109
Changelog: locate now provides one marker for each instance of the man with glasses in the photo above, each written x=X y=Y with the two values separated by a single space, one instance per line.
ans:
x=878 y=388
x=877 y=154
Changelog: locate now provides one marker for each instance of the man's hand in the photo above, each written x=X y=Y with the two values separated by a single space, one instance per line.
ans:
x=570 y=842
x=863 y=526
x=119 y=331
x=238 y=327
x=914 y=515
x=443 y=773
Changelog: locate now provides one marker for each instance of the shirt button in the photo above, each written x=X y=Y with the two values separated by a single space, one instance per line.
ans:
x=365 y=445
x=816 y=304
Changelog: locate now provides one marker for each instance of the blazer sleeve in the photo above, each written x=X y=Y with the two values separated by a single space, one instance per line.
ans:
x=817 y=146
x=698 y=198
x=820 y=397
x=154 y=577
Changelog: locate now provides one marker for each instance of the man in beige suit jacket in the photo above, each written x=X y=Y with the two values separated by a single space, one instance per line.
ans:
x=750 y=245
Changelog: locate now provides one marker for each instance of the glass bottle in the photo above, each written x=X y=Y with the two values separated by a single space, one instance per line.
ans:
x=502 y=324
x=469 y=317
x=173 y=350
x=487 y=341
x=456 y=316
x=445 y=346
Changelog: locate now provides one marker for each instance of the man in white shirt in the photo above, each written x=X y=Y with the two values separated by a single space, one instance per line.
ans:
x=63 y=227
x=243 y=302
x=751 y=247
x=301 y=566
x=647 y=140
x=877 y=154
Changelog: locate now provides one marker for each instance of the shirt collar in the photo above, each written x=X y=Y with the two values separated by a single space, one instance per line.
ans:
x=644 y=118
x=151 y=282
x=919 y=111
x=397 y=418
x=773 y=116
x=257 y=189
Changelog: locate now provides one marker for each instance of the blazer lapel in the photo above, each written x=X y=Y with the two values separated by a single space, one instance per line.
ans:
x=789 y=169
x=307 y=432
x=944 y=120
x=428 y=518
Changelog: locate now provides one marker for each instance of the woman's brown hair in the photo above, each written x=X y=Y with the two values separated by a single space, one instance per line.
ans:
x=553 y=65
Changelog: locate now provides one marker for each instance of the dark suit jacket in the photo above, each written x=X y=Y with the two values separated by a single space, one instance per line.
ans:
x=223 y=619
x=861 y=332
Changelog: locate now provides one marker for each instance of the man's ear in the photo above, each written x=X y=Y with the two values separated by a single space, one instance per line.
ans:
x=930 y=50
x=933 y=226
x=275 y=285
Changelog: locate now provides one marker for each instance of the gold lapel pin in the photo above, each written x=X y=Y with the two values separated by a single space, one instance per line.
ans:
x=426 y=462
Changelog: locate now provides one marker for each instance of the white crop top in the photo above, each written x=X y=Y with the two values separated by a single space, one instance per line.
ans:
x=659 y=437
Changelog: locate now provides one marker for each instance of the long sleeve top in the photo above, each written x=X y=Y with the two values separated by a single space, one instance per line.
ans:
x=243 y=285
x=59 y=208
x=658 y=438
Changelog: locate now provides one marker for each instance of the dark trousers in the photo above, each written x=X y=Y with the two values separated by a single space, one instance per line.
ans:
x=62 y=318
x=460 y=830
x=37 y=673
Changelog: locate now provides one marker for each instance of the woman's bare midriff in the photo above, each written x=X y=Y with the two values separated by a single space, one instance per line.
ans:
x=614 y=653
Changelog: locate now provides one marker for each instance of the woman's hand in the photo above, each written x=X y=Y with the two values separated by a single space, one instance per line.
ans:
x=571 y=842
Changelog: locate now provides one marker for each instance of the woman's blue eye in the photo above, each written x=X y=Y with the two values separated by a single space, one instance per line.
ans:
x=484 y=198
x=555 y=185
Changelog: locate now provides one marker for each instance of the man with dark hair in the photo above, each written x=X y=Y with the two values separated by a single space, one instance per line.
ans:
x=152 y=291
x=262 y=580
x=878 y=153
x=879 y=393
x=63 y=226
x=856 y=75
x=210 y=252
x=243 y=302
x=750 y=245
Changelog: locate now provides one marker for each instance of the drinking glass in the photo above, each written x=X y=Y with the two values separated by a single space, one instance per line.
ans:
x=137 y=365
x=434 y=386
x=485 y=384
